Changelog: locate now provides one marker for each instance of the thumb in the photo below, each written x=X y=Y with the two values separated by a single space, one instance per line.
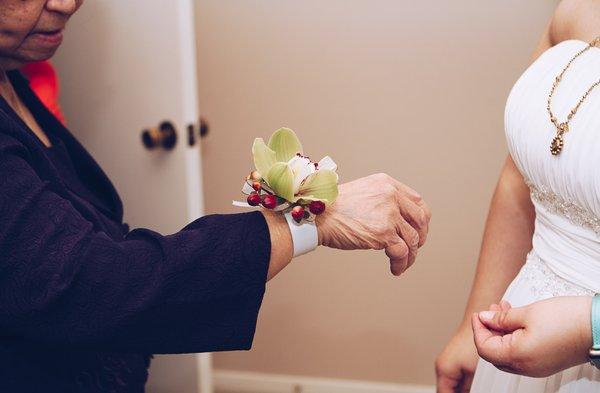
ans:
x=491 y=345
x=506 y=320
x=399 y=257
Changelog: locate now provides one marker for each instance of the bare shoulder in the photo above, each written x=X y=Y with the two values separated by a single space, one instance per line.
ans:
x=575 y=19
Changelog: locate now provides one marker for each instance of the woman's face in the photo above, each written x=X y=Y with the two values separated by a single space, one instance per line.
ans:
x=31 y=30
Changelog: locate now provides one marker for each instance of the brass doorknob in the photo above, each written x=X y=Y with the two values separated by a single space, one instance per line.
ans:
x=164 y=136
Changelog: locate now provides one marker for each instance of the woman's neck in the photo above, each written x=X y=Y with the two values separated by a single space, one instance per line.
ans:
x=8 y=92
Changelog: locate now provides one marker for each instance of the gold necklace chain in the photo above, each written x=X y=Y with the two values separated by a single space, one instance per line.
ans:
x=558 y=142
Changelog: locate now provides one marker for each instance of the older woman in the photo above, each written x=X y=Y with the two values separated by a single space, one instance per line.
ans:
x=83 y=300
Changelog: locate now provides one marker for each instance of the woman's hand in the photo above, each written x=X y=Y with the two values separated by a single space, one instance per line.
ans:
x=456 y=364
x=377 y=212
x=537 y=340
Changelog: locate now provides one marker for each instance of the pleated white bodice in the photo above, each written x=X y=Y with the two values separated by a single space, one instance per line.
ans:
x=565 y=189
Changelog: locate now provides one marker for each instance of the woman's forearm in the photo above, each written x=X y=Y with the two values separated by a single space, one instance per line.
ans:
x=506 y=240
x=508 y=231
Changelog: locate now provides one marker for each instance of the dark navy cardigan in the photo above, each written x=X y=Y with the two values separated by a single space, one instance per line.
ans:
x=83 y=300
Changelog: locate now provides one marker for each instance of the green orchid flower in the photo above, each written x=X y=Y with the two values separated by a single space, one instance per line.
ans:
x=291 y=175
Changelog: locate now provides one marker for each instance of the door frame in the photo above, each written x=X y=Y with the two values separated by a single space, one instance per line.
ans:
x=191 y=115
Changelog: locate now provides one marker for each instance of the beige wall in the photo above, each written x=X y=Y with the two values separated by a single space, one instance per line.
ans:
x=412 y=88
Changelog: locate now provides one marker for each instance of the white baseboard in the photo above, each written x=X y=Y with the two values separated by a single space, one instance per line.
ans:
x=248 y=382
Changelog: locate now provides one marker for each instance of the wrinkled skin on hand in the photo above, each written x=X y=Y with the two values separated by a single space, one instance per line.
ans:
x=380 y=213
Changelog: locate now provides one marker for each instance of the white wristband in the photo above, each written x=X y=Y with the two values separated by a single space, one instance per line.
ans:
x=304 y=236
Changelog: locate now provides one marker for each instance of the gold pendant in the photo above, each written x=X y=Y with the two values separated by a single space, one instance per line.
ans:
x=556 y=147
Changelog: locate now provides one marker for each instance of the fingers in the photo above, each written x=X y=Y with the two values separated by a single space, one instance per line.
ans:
x=412 y=207
x=404 y=189
x=496 y=347
x=453 y=380
x=465 y=386
x=399 y=257
x=489 y=345
x=504 y=305
x=481 y=333
x=410 y=238
x=506 y=319
x=427 y=213
x=417 y=218
x=450 y=384
x=446 y=384
x=449 y=377
x=413 y=196
x=412 y=226
x=403 y=250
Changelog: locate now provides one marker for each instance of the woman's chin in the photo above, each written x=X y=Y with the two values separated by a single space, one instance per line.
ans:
x=30 y=56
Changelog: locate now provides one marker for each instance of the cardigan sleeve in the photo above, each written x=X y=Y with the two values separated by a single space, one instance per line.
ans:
x=64 y=284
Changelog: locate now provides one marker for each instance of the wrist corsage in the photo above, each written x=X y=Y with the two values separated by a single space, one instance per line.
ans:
x=287 y=181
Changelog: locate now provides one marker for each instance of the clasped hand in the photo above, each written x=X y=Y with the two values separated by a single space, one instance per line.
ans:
x=537 y=340
x=377 y=212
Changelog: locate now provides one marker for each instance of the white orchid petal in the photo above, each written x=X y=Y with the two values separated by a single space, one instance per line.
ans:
x=327 y=163
x=240 y=204
x=301 y=167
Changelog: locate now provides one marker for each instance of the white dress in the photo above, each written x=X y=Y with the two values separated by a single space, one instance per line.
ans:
x=565 y=189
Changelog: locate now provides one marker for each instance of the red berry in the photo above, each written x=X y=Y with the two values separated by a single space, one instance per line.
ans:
x=269 y=201
x=257 y=186
x=253 y=199
x=316 y=207
x=298 y=213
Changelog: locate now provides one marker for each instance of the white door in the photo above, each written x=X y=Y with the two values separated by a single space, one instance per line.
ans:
x=126 y=66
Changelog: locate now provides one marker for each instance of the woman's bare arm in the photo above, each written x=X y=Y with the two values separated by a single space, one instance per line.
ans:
x=506 y=240
x=509 y=227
